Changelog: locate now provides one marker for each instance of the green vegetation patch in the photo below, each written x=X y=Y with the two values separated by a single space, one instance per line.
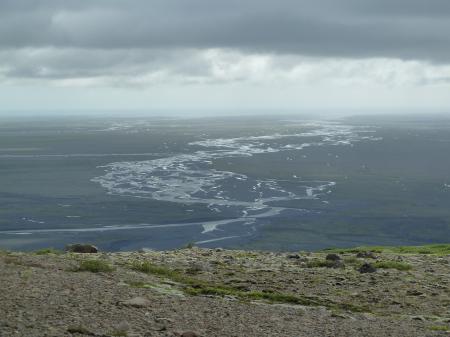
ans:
x=375 y=249
x=392 y=265
x=352 y=260
x=47 y=251
x=434 y=249
x=159 y=288
x=189 y=245
x=95 y=266
x=439 y=328
x=316 y=263
x=150 y=268
x=194 y=286
x=437 y=249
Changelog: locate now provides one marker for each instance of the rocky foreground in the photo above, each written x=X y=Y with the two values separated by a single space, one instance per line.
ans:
x=203 y=292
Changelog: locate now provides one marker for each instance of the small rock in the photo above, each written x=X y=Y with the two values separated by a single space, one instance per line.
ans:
x=123 y=326
x=413 y=293
x=367 y=268
x=333 y=257
x=81 y=248
x=137 y=302
x=293 y=256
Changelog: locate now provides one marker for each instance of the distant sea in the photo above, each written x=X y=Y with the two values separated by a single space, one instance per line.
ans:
x=269 y=183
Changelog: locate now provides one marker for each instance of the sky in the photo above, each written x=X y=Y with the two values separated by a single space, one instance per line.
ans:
x=301 y=55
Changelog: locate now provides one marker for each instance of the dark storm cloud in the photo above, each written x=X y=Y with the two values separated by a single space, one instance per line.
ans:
x=53 y=63
x=408 y=29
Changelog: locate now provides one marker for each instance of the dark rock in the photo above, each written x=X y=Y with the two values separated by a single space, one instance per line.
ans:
x=333 y=257
x=242 y=287
x=367 y=268
x=366 y=255
x=293 y=256
x=81 y=248
x=413 y=293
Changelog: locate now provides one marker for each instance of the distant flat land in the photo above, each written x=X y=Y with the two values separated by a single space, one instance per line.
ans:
x=394 y=190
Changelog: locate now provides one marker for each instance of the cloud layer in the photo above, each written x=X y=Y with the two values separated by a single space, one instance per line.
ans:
x=148 y=67
x=409 y=29
x=290 y=43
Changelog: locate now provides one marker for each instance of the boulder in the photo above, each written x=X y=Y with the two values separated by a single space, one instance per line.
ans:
x=413 y=292
x=332 y=257
x=81 y=248
x=367 y=268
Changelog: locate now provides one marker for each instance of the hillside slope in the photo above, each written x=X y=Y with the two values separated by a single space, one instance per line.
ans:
x=204 y=292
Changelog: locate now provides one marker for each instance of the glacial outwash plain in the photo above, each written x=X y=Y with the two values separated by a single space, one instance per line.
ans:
x=365 y=291
x=277 y=183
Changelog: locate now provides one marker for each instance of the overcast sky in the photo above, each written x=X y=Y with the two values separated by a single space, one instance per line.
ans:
x=235 y=54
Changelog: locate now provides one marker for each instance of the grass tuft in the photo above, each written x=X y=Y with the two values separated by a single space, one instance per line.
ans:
x=392 y=265
x=150 y=268
x=433 y=249
x=352 y=260
x=47 y=251
x=188 y=245
x=439 y=328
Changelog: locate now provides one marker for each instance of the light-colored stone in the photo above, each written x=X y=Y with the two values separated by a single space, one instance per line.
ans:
x=138 y=302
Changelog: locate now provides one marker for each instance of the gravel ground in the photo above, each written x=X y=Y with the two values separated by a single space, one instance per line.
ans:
x=202 y=292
